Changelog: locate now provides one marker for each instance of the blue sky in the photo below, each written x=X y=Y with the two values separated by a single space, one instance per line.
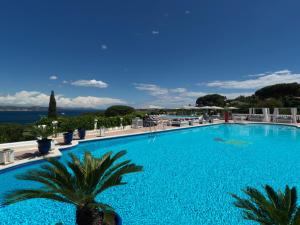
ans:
x=144 y=53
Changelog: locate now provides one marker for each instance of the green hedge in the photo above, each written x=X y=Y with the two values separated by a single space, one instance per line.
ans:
x=87 y=121
x=14 y=132
x=119 y=110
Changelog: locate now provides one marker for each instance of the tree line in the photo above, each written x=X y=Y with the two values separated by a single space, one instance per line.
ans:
x=278 y=95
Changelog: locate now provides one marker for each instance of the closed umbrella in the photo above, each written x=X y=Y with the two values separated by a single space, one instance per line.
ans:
x=266 y=115
x=216 y=107
x=275 y=114
x=250 y=111
x=231 y=108
x=294 y=114
x=205 y=107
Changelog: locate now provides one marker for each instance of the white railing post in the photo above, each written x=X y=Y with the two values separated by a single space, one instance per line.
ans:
x=54 y=126
x=121 y=123
x=95 y=124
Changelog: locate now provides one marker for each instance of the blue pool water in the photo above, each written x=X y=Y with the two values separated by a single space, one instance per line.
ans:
x=187 y=175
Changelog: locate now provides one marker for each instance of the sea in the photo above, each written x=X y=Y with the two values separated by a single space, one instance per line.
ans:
x=27 y=117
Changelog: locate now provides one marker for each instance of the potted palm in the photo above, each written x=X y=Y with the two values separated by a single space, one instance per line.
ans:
x=82 y=126
x=41 y=133
x=79 y=183
x=67 y=128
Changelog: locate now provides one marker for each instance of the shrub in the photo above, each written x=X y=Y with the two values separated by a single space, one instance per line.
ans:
x=118 y=110
x=213 y=99
x=67 y=124
x=13 y=132
x=83 y=122
x=40 y=131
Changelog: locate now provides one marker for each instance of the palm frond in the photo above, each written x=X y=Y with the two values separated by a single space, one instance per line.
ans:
x=277 y=208
x=77 y=182
x=21 y=195
x=296 y=219
x=115 y=179
x=273 y=197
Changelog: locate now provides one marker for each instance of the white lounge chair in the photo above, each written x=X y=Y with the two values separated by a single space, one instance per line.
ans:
x=284 y=119
x=180 y=123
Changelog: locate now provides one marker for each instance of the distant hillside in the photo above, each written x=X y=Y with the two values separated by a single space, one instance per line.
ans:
x=39 y=108
x=278 y=95
x=279 y=91
x=22 y=108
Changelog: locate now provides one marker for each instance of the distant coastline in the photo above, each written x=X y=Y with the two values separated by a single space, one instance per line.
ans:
x=21 y=108
x=27 y=116
x=38 y=109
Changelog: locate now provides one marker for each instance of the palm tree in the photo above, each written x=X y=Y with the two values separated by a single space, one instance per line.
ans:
x=77 y=183
x=274 y=209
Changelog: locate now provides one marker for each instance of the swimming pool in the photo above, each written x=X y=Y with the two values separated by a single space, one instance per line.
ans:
x=187 y=175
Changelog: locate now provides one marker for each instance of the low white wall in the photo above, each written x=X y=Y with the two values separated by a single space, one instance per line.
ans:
x=19 y=144
x=22 y=145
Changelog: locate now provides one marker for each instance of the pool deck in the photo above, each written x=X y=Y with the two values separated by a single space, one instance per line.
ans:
x=27 y=156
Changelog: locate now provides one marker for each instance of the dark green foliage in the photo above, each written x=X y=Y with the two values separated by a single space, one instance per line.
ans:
x=210 y=100
x=118 y=110
x=269 y=103
x=13 y=132
x=52 y=113
x=76 y=182
x=278 y=95
x=67 y=124
x=83 y=122
x=39 y=132
x=109 y=122
x=94 y=114
x=279 y=91
x=276 y=208
x=290 y=101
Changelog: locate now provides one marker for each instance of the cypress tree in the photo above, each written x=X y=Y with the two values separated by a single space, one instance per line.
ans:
x=52 y=106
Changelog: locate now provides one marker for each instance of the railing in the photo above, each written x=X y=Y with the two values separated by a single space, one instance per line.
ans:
x=152 y=126
x=281 y=118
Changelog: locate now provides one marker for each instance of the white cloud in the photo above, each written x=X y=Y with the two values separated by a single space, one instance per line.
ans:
x=259 y=80
x=155 y=32
x=34 y=98
x=152 y=89
x=104 y=47
x=53 y=77
x=178 y=90
x=195 y=94
x=65 y=82
x=90 y=83
x=153 y=107
x=177 y=97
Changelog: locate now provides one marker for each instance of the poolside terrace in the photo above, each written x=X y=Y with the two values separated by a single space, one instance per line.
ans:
x=27 y=152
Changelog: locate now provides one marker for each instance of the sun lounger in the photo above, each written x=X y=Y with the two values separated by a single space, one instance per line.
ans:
x=283 y=119
x=240 y=118
x=256 y=118
x=194 y=122
x=179 y=122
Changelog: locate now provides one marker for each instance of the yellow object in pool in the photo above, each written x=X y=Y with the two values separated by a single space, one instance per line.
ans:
x=237 y=142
